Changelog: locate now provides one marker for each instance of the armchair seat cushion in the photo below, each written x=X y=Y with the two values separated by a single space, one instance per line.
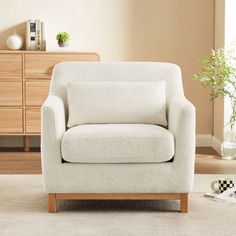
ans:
x=117 y=143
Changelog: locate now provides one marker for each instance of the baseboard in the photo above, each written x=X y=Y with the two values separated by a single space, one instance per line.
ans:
x=207 y=140
x=216 y=144
x=203 y=140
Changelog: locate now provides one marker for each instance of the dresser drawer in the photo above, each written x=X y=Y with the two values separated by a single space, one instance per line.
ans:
x=10 y=93
x=10 y=66
x=41 y=65
x=11 y=121
x=36 y=92
x=32 y=120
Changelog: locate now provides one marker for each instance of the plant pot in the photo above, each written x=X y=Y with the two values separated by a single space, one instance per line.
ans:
x=63 y=44
x=229 y=143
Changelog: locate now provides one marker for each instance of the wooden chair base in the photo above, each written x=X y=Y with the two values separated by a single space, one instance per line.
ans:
x=53 y=197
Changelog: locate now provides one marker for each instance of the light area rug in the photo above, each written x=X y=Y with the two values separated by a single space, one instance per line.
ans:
x=23 y=211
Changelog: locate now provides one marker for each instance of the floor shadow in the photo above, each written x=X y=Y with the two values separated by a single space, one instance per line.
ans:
x=118 y=206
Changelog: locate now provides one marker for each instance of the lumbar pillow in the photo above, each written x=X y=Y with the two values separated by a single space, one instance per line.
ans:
x=116 y=102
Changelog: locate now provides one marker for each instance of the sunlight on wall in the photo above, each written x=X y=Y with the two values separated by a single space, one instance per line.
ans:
x=230 y=38
x=230 y=22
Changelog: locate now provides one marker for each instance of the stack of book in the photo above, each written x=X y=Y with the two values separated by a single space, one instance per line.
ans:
x=35 y=35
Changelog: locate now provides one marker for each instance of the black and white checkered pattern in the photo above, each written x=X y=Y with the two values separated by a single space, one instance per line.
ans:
x=225 y=184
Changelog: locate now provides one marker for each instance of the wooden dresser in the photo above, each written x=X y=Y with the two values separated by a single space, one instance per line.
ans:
x=24 y=84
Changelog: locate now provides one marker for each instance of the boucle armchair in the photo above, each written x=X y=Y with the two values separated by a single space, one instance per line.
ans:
x=117 y=130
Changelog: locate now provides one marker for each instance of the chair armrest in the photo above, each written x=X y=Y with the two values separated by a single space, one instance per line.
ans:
x=181 y=117
x=181 y=123
x=53 y=117
x=53 y=127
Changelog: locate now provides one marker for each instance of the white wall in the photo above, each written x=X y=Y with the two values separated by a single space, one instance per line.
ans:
x=176 y=31
x=230 y=39
x=230 y=22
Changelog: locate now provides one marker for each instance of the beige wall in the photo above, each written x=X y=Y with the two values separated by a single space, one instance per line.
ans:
x=178 y=31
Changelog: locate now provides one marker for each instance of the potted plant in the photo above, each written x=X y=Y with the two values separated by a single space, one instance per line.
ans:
x=63 y=39
x=219 y=73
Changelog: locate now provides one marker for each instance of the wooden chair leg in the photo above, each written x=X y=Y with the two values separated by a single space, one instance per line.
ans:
x=26 y=143
x=184 y=202
x=52 y=203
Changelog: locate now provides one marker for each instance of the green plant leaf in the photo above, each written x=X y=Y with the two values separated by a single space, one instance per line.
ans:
x=219 y=73
x=63 y=37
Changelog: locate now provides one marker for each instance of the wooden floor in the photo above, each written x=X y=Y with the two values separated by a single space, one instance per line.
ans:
x=15 y=161
x=209 y=162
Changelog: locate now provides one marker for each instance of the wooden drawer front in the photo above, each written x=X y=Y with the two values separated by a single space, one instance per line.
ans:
x=11 y=121
x=41 y=65
x=36 y=92
x=32 y=116
x=10 y=66
x=10 y=93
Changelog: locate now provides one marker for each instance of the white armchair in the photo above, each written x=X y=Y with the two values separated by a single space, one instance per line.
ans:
x=122 y=155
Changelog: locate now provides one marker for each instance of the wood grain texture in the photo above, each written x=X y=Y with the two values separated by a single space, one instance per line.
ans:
x=209 y=162
x=24 y=84
x=26 y=143
x=36 y=92
x=11 y=120
x=10 y=66
x=44 y=52
x=52 y=203
x=184 y=202
x=41 y=65
x=32 y=119
x=16 y=161
x=10 y=93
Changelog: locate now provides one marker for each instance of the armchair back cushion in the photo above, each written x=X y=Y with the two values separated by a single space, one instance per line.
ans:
x=67 y=72
x=116 y=102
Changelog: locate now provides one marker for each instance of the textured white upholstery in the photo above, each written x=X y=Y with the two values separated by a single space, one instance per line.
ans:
x=174 y=176
x=67 y=72
x=117 y=143
x=117 y=102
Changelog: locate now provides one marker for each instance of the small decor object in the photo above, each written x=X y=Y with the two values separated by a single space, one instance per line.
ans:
x=222 y=185
x=35 y=35
x=15 y=42
x=63 y=39
x=219 y=73
x=228 y=195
